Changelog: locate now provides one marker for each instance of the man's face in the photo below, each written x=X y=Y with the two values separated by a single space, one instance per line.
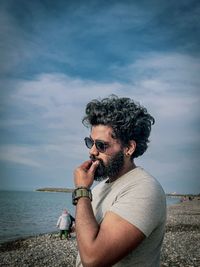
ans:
x=111 y=162
x=109 y=169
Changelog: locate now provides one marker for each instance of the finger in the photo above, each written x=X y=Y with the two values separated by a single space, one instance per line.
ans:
x=94 y=166
x=86 y=165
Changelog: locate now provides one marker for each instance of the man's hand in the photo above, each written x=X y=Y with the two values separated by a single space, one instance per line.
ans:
x=84 y=174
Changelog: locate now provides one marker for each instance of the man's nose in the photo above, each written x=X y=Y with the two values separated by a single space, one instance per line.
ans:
x=93 y=150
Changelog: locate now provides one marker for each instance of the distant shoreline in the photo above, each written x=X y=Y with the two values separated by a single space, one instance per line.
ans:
x=193 y=196
x=49 y=189
x=70 y=190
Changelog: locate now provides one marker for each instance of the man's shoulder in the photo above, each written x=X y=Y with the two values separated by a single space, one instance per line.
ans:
x=136 y=176
x=139 y=182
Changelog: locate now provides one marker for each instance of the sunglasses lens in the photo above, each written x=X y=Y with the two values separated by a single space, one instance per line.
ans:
x=100 y=146
x=89 y=142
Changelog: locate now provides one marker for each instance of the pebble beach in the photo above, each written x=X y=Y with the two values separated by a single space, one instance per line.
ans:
x=181 y=245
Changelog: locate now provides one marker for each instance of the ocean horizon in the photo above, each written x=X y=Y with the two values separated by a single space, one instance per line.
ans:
x=30 y=213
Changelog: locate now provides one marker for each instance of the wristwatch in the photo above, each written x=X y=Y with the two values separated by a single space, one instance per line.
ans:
x=81 y=192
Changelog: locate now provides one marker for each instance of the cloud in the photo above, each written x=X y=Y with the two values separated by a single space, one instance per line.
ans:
x=58 y=99
x=19 y=154
x=166 y=83
x=89 y=39
x=45 y=114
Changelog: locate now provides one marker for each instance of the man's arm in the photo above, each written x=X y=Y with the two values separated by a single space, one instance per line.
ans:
x=107 y=243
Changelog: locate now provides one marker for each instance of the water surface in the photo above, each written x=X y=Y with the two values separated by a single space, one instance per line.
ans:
x=26 y=214
x=30 y=213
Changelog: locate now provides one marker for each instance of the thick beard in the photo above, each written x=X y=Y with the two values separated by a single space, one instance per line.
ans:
x=111 y=169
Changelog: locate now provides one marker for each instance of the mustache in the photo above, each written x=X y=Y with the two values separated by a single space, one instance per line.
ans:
x=93 y=158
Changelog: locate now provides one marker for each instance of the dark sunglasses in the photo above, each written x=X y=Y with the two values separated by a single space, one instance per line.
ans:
x=101 y=146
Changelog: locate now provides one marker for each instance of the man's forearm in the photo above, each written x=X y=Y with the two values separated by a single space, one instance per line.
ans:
x=87 y=227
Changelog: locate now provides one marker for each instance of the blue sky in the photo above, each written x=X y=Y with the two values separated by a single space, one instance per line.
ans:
x=58 y=55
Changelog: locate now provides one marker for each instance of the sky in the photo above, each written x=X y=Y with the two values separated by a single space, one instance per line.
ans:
x=56 y=56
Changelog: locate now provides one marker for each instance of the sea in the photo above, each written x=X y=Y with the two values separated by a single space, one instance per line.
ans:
x=30 y=213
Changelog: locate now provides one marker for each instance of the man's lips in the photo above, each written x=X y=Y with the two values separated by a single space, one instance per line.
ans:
x=94 y=159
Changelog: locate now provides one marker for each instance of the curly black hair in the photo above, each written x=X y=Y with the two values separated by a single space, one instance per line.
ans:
x=128 y=119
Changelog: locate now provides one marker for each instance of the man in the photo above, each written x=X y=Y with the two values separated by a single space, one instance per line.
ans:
x=121 y=222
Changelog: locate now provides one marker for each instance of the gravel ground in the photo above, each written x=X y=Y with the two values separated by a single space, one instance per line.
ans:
x=40 y=251
x=181 y=246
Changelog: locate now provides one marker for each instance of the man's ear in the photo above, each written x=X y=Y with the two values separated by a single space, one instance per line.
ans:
x=129 y=150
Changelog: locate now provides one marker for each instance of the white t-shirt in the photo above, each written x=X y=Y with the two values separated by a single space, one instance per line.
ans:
x=138 y=198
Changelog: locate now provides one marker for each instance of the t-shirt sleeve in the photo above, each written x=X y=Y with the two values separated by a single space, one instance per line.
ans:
x=141 y=205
